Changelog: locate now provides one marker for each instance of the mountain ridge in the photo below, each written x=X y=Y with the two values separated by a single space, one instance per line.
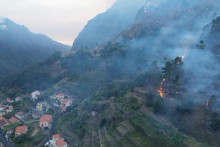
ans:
x=24 y=47
x=108 y=24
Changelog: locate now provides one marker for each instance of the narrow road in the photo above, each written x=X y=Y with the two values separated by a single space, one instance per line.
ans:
x=53 y=125
x=4 y=140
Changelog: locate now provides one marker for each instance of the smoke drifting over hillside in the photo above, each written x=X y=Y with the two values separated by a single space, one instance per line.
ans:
x=174 y=28
x=108 y=24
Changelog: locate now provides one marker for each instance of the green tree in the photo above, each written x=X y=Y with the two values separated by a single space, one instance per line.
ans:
x=167 y=70
x=215 y=121
x=201 y=45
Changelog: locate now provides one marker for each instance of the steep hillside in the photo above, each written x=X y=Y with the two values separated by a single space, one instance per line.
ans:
x=19 y=48
x=156 y=83
x=108 y=24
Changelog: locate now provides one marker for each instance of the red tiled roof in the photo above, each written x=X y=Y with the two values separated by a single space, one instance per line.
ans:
x=60 y=143
x=4 y=121
x=66 y=100
x=8 y=121
x=14 y=119
x=21 y=129
x=60 y=95
x=56 y=136
x=8 y=99
x=11 y=107
x=46 y=118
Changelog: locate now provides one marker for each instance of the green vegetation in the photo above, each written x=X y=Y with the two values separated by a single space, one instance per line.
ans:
x=11 y=127
x=34 y=136
x=50 y=111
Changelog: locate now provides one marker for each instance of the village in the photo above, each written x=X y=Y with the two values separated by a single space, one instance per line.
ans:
x=19 y=116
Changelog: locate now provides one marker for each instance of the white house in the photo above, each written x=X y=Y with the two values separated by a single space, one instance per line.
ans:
x=35 y=94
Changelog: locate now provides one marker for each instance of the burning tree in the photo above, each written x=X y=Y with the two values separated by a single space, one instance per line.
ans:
x=171 y=77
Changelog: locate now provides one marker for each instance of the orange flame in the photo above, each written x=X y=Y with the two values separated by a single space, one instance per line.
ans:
x=160 y=90
x=207 y=103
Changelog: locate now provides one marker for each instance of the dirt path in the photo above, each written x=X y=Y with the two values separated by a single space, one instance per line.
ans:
x=36 y=130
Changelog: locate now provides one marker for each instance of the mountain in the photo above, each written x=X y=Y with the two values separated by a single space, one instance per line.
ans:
x=20 y=48
x=156 y=83
x=108 y=24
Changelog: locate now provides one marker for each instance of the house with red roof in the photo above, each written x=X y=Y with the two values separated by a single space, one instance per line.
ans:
x=20 y=130
x=56 y=137
x=45 y=121
x=8 y=100
x=67 y=102
x=14 y=120
x=18 y=98
x=10 y=109
x=61 y=143
x=57 y=141
x=59 y=97
x=4 y=122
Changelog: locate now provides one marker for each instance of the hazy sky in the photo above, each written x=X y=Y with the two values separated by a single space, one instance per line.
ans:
x=61 y=20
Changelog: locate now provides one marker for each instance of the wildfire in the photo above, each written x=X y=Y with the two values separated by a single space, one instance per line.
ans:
x=207 y=103
x=160 y=90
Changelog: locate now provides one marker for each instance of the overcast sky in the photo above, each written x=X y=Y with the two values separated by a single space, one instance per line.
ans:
x=61 y=20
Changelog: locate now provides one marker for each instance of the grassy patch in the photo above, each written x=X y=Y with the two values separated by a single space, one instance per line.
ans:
x=30 y=138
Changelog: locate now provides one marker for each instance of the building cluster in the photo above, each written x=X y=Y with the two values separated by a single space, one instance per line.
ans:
x=42 y=106
x=56 y=141
x=5 y=122
x=6 y=106
x=38 y=113
x=61 y=101
x=18 y=130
